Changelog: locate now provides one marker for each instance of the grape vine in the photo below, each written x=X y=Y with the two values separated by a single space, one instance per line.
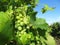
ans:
x=23 y=27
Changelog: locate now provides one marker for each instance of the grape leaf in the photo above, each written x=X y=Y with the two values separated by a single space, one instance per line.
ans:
x=6 y=29
x=47 y=8
x=40 y=23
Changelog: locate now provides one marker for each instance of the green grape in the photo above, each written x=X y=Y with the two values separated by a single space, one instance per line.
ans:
x=26 y=21
x=28 y=27
x=17 y=34
x=18 y=21
x=37 y=38
x=20 y=15
x=17 y=17
x=29 y=35
x=16 y=25
x=23 y=31
x=19 y=28
x=21 y=23
x=38 y=42
x=32 y=43
x=21 y=19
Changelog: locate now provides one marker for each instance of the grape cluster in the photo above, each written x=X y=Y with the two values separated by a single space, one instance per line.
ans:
x=22 y=23
x=25 y=30
x=21 y=20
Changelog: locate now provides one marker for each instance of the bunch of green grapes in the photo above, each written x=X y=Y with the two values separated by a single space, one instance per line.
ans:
x=23 y=26
x=22 y=22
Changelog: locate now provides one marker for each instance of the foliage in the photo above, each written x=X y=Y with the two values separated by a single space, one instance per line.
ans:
x=55 y=29
x=6 y=29
x=47 y=8
x=18 y=22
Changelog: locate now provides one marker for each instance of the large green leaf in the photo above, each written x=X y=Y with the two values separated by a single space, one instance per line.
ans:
x=40 y=23
x=33 y=17
x=6 y=32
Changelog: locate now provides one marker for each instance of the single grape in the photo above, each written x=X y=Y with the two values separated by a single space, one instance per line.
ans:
x=19 y=35
x=23 y=31
x=21 y=19
x=20 y=15
x=17 y=17
x=19 y=28
x=28 y=27
x=18 y=21
x=16 y=25
x=21 y=23
x=26 y=20
x=29 y=35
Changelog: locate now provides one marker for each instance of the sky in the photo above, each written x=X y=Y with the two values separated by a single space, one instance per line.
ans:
x=49 y=16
